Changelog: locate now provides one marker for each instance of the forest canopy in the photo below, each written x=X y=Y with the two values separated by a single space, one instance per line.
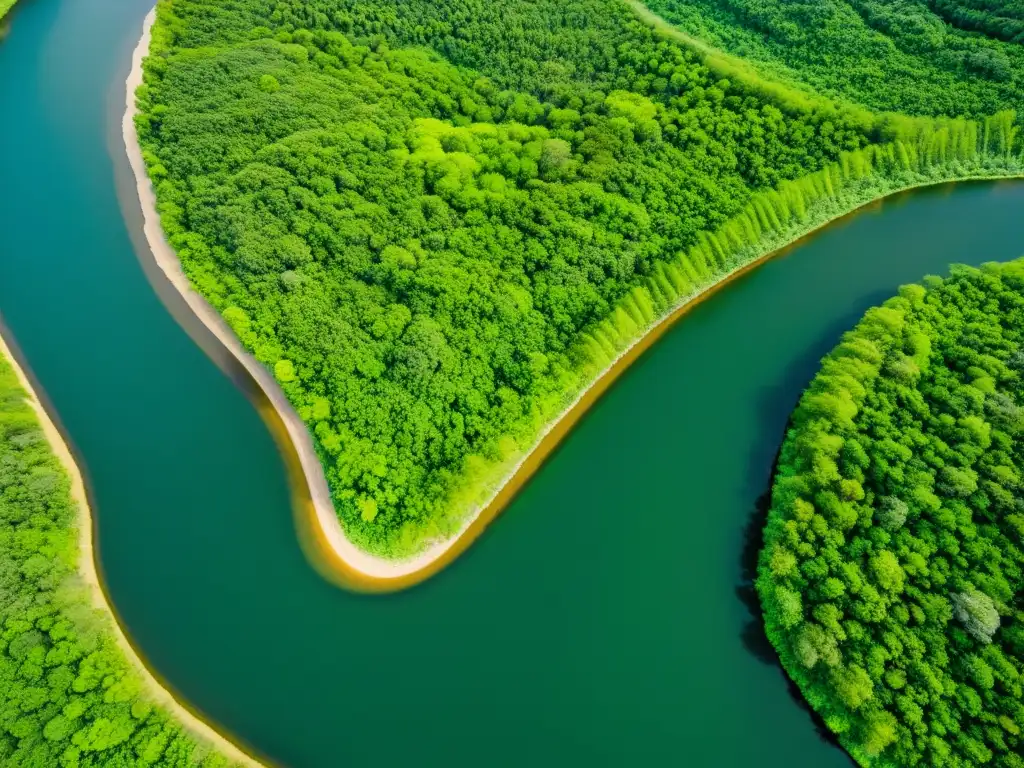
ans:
x=68 y=696
x=434 y=221
x=927 y=57
x=893 y=560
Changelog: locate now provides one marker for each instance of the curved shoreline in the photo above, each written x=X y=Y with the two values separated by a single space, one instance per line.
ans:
x=320 y=544
x=167 y=260
x=89 y=570
x=320 y=531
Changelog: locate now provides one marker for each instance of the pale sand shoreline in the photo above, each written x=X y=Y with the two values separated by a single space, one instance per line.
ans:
x=363 y=563
x=320 y=531
x=88 y=571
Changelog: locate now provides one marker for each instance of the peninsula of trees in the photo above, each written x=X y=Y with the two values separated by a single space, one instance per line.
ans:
x=68 y=696
x=892 y=574
x=436 y=222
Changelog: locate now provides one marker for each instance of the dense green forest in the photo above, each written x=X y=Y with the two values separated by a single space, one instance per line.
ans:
x=436 y=221
x=893 y=563
x=931 y=57
x=68 y=697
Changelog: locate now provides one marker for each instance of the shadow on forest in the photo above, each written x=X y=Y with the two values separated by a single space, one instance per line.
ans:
x=773 y=409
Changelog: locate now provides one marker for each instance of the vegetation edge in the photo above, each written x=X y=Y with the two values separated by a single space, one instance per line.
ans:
x=817 y=200
x=859 y=719
x=6 y=6
x=90 y=571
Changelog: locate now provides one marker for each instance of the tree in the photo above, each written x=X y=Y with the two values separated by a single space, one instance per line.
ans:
x=887 y=572
x=892 y=512
x=976 y=611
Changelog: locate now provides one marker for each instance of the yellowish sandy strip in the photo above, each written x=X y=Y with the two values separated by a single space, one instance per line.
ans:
x=165 y=257
x=89 y=574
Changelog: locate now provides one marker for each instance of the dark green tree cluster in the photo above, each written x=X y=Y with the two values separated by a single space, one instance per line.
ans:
x=927 y=57
x=68 y=697
x=892 y=574
x=1001 y=19
x=430 y=218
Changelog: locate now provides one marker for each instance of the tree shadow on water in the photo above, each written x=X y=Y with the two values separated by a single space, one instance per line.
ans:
x=752 y=634
x=773 y=409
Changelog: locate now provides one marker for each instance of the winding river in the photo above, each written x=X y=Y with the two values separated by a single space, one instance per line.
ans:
x=603 y=620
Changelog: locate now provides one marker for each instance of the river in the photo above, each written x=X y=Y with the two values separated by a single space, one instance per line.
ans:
x=601 y=621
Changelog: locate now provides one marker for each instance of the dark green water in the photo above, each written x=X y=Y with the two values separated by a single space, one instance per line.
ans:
x=600 y=621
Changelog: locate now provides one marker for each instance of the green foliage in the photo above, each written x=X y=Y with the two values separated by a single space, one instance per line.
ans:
x=436 y=222
x=926 y=57
x=68 y=697
x=976 y=611
x=6 y=6
x=892 y=512
x=1001 y=19
x=893 y=564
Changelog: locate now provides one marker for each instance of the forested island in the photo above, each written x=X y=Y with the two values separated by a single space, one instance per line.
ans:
x=69 y=697
x=893 y=561
x=436 y=223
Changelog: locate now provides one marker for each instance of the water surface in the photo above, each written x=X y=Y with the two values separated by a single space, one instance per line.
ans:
x=601 y=621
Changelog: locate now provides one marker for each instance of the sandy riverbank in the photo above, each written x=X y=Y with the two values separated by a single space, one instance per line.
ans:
x=346 y=562
x=165 y=257
x=88 y=570
x=321 y=533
